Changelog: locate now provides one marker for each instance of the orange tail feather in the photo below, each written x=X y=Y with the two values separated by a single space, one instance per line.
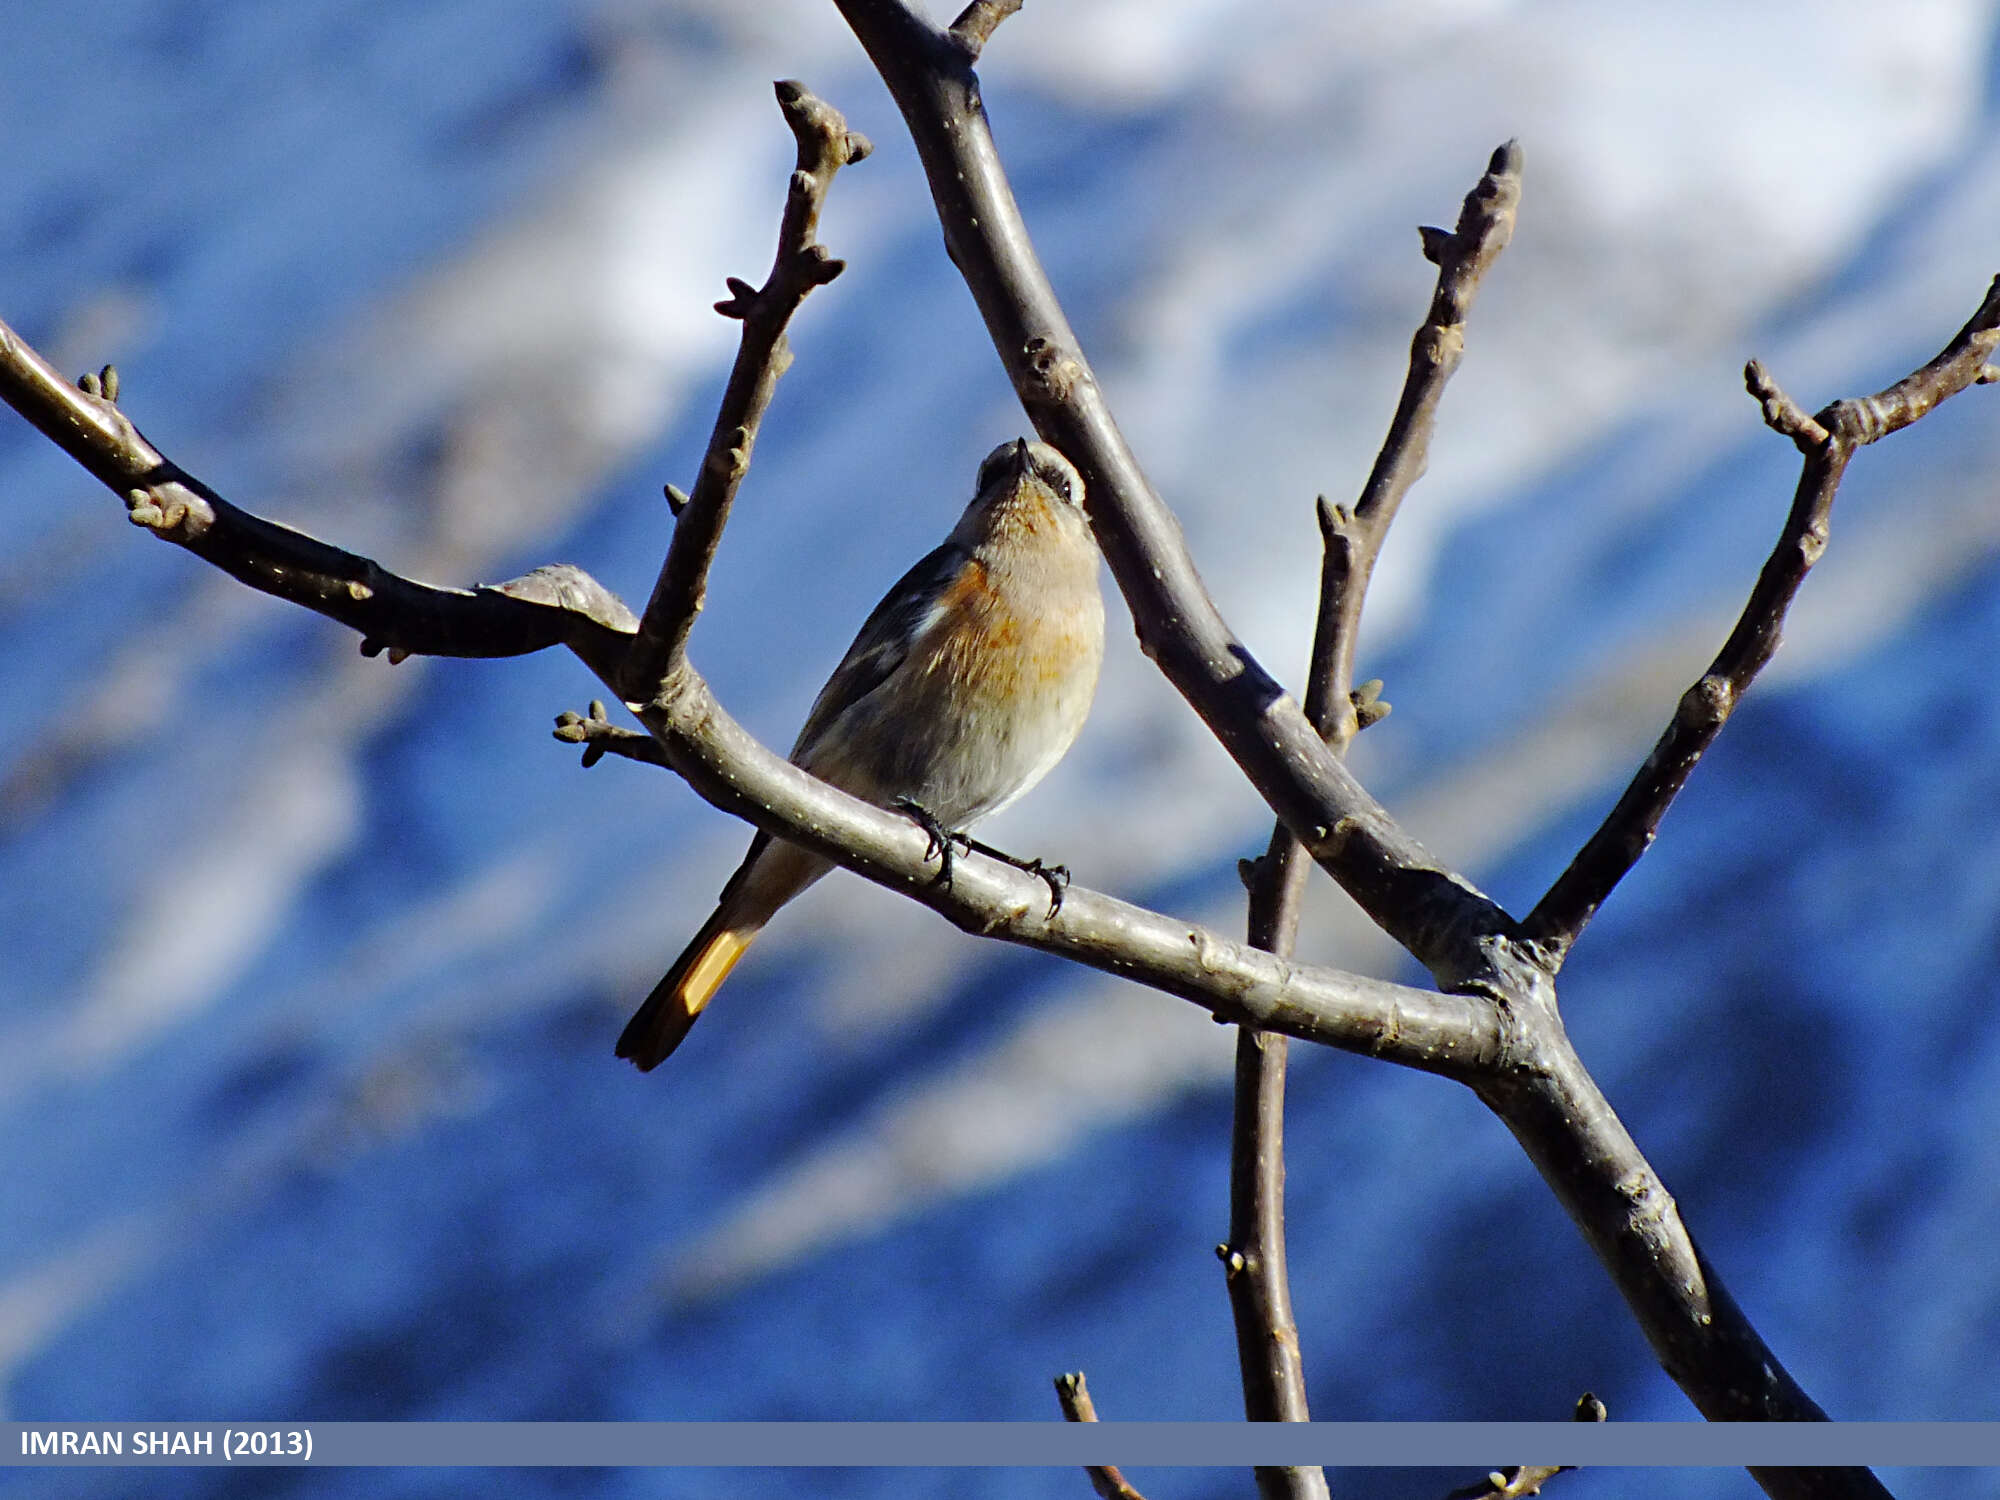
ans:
x=677 y=1000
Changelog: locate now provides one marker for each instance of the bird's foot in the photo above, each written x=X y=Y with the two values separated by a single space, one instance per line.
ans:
x=1055 y=877
x=940 y=838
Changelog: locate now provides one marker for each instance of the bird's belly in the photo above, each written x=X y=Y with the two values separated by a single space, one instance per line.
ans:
x=981 y=714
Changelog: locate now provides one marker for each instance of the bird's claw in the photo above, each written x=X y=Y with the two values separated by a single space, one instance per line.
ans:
x=941 y=839
x=938 y=839
x=1057 y=879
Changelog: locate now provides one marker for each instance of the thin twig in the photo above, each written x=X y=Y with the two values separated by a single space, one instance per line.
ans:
x=1254 y=1259
x=600 y=737
x=1485 y=226
x=978 y=21
x=1828 y=441
x=825 y=145
x=551 y=606
x=1074 y=1397
x=1260 y=1296
x=1255 y=1268
x=1513 y=1484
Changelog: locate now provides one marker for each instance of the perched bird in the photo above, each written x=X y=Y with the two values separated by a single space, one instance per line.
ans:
x=964 y=688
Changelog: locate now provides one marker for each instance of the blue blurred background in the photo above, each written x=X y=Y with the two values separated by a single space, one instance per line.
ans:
x=310 y=967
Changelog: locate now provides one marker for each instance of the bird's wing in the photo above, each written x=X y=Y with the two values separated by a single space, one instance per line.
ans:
x=905 y=613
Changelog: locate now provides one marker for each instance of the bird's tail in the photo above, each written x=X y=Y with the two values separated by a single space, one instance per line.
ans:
x=659 y=1025
x=770 y=875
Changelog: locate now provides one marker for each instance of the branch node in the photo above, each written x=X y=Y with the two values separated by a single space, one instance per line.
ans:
x=1436 y=242
x=1369 y=705
x=1782 y=414
x=1052 y=372
x=741 y=301
x=818 y=266
x=976 y=24
x=600 y=737
x=1336 y=521
x=1075 y=1398
x=676 y=499
x=729 y=460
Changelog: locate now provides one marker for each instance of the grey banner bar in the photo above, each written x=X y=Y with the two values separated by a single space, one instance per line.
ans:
x=1483 y=1445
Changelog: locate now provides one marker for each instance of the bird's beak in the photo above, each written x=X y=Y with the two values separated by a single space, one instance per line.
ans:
x=1020 y=461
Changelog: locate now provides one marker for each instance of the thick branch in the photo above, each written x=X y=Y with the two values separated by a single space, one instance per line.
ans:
x=1828 y=441
x=825 y=146
x=1700 y=1336
x=1433 y=912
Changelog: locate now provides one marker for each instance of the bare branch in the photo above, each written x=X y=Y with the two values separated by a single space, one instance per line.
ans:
x=1433 y=912
x=1074 y=1397
x=1254 y=1259
x=552 y=606
x=1828 y=442
x=1260 y=1295
x=1485 y=226
x=825 y=145
x=1781 y=413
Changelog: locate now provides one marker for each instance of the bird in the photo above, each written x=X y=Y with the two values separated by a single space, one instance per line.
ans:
x=964 y=687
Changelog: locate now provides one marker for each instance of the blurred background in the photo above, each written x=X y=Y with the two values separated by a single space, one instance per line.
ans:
x=310 y=967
